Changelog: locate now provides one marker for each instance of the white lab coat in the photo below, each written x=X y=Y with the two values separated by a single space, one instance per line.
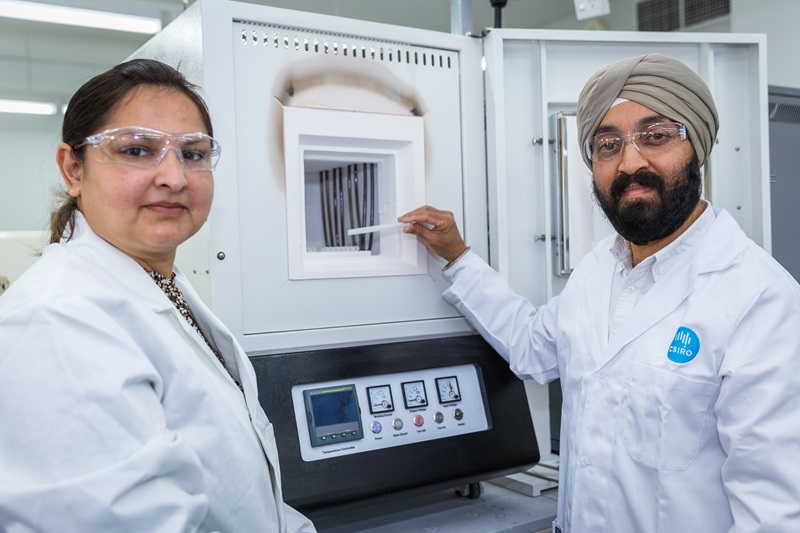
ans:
x=649 y=445
x=116 y=416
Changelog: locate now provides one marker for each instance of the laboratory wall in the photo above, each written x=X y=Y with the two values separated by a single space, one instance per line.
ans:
x=29 y=178
x=777 y=19
x=43 y=62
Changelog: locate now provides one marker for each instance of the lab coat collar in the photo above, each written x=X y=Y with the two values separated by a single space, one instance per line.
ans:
x=674 y=250
x=121 y=266
x=707 y=250
x=85 y=241
x=221 y=337
x=723 y=245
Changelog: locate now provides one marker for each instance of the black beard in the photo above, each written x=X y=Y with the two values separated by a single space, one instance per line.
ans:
x=641 y=221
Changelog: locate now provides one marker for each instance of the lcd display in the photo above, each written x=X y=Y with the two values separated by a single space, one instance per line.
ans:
x=333 y=408
x=333 y=415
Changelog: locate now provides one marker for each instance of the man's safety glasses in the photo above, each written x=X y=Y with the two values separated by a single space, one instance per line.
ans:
x=656 y=138
x=145 y=148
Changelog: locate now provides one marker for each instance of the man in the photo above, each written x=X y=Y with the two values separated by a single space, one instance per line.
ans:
x=677 y=340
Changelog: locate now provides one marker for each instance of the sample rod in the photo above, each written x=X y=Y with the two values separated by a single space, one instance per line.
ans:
x=377 y=228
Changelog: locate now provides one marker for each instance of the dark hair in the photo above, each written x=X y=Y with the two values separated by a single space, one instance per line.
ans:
x=93 y=104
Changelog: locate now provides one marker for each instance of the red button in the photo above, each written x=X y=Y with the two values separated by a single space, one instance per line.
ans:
x=418 y=420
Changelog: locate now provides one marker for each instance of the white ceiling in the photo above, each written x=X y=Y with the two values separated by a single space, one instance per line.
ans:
x=41 y=61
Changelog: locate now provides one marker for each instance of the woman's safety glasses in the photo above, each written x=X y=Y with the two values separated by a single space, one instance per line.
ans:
x=145 y=148
x=656 y=138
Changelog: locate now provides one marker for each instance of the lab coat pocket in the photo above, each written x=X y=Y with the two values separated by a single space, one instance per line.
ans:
x=267 y=435
x=266 y=432
x=665 y=417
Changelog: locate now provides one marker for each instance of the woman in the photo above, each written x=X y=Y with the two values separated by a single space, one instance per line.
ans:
x=126 y=405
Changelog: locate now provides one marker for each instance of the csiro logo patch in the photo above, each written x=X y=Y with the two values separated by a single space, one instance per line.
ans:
x=684 y=346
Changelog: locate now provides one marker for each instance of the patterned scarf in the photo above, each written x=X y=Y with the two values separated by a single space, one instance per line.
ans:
x=167 y=284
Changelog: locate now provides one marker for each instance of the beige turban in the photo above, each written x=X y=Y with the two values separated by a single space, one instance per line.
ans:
x=657 y=82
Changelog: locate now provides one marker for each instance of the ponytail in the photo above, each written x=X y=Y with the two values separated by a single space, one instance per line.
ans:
x=62 y=219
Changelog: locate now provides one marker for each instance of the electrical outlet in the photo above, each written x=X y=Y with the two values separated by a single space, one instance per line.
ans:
x=4 y=283
x=587 y=9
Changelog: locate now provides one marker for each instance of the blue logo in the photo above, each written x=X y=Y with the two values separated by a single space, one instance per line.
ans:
x=684 y=346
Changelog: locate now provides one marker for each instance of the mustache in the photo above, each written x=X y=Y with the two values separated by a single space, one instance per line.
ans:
x=644 y=178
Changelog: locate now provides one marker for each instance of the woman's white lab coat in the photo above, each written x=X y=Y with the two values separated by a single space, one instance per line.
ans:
x=703 y=441
x=116 y=416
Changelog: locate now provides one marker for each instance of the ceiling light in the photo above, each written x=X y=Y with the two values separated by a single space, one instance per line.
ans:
x=78 y=17
x=26 y=107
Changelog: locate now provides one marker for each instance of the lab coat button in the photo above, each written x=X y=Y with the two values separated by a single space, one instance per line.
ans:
x=585 y=461
x=602 y=375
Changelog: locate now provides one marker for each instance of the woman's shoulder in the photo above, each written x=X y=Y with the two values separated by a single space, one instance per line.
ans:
x=60 y=275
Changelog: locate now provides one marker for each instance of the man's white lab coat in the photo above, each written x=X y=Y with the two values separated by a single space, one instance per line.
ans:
x=687 y=418
x=116 y=416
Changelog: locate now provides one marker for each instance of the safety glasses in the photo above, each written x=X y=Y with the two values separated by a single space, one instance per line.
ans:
x=145 y=148
x=656 y=138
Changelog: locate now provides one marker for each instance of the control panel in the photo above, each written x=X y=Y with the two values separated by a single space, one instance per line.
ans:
x=368 y=413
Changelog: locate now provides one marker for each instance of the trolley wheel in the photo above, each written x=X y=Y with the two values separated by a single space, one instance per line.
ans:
x=472 y=491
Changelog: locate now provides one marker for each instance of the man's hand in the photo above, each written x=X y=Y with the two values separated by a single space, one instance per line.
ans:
x=437 y=229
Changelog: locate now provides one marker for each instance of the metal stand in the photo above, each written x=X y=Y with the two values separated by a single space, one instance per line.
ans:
x=532 y=482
